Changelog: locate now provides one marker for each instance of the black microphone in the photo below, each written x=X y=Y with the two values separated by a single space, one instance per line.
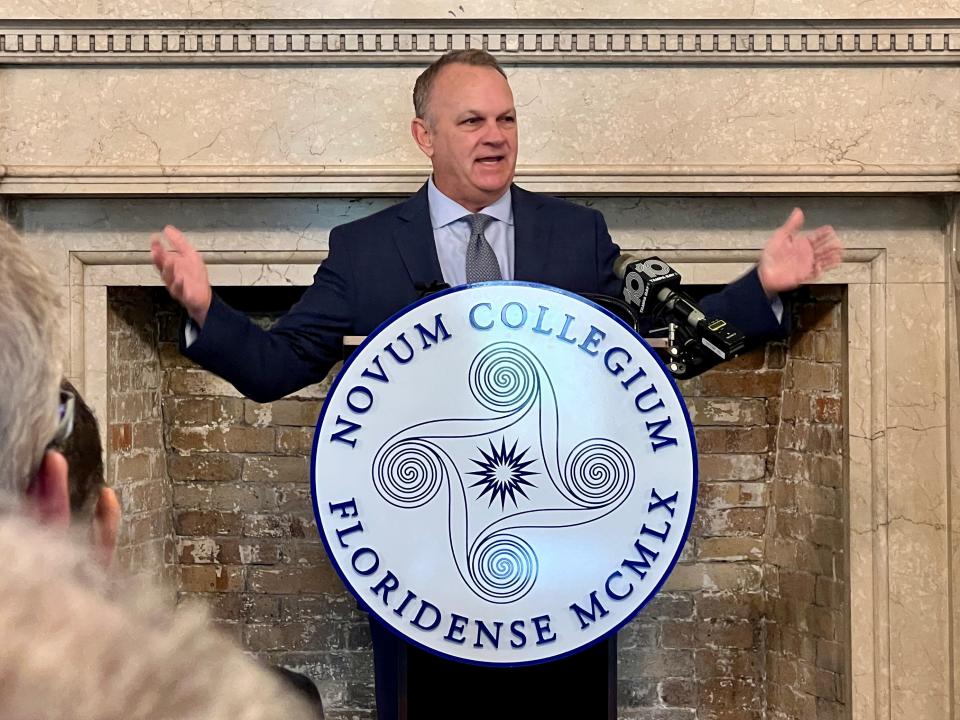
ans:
x=429 y=288
x=653 y=288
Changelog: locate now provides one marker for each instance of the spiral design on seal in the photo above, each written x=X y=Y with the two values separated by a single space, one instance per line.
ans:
x=598 y=472
x=503 y=568
x=409 y=473
x=503 y=377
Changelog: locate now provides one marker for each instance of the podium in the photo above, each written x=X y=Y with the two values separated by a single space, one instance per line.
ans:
x=503 y=475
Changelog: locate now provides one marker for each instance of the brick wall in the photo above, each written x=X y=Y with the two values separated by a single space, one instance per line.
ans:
x=136 y=457
x=750 y=625
x=697 y=650
x=805 y=568
x=246 y=538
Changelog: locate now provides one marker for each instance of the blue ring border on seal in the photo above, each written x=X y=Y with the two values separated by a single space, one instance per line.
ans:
x=434 y=651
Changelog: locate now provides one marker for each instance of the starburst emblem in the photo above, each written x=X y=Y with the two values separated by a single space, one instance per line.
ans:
x=503 y=473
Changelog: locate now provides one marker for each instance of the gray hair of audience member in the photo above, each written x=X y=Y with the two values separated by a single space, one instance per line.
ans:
x=76 y=646
x=29 y=363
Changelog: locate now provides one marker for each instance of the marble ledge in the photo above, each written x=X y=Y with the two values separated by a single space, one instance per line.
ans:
x=372 y=180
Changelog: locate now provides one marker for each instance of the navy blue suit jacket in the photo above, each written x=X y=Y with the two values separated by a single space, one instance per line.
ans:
x=378 y=265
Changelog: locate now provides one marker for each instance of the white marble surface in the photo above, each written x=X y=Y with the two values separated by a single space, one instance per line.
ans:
x=582 y=116
x=627 y=9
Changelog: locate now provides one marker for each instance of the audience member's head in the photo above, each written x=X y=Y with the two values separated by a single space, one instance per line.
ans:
x=92 y=503
x=31 y=415
x=84 y=453
x=75 y=645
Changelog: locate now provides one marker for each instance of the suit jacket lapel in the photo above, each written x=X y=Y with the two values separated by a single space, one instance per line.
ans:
x=530 y=237
x=414 y=239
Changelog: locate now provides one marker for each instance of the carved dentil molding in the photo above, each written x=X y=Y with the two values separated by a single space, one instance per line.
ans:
x=343 y=42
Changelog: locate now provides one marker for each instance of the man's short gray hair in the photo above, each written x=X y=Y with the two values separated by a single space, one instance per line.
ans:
x=424 y=85
x=29 y=362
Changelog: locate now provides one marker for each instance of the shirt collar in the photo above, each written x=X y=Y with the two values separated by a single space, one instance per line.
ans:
x=444 y=211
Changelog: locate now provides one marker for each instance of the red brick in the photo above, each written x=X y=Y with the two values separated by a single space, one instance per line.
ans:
x=798 y=586
x=295 y=441
x=828 y=347
x=147 y=526
x=185 y=381
x=678 y=692
x=121 y=437
x=132 y=407
x=235 y=439
x=203 y=467
x=729 y=605
x=761 y=383
x=266 y=468
x=714 y=411
x=145 y=495
x=831 y=593
x=211 y=578
x=826 y=471
x=818 y=500
x=828 y=410
x=677 y=634
x=726 y=662
x=729 y=693
x=732 y=494
x=725 y=634
x=730 y=549
x=719 y=468
x=148 y=434
x=283 y=412
x=293 y=580
x=667 y=605
x=827 y=531
x=733 y=440
x=663 y=664
x=734 y=521
x=203 y=410
x=283 y=525
x=813 y=376
x=293 y=636
x=822 y=622
x=207 y=522
x=830 y=656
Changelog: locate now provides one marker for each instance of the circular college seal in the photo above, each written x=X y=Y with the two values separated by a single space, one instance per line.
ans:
x=504 y=473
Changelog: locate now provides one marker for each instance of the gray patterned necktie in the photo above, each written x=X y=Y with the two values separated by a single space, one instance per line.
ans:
x=481 y=260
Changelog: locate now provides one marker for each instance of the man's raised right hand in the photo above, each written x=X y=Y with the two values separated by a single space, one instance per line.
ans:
x=183 y=272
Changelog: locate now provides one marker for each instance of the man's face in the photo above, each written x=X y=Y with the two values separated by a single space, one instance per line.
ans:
x=470 y=134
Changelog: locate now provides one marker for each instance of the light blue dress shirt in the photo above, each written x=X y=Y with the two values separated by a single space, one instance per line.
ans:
x=451 y=233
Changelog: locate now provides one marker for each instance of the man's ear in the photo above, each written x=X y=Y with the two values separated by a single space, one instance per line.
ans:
x=106 y=526
x=48 y=495
x=422 y=136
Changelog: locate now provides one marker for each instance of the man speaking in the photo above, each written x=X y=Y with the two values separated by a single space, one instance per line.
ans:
x=467 y=224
